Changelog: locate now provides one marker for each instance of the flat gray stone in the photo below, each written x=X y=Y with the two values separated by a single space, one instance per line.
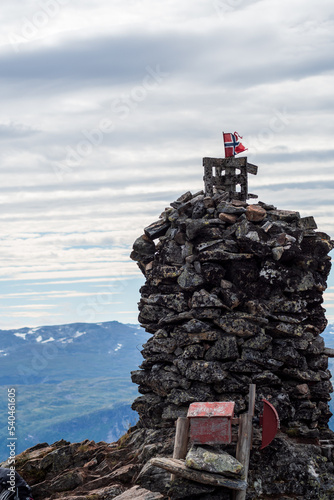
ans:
x=210 y=460
x=156 y=229
x=189 y=280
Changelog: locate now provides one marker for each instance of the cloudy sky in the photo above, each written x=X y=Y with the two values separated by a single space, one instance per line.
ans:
x=108 y=108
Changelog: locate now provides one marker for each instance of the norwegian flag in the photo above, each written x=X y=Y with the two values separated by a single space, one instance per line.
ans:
x=232 y=144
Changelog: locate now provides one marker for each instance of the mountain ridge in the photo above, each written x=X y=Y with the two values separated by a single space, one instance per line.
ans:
x=64 y=383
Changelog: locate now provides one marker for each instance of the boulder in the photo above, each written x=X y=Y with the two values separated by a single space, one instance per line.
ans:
x=210 y=460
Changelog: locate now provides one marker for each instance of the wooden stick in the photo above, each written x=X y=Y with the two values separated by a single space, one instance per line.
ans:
x=245 y=437
x=243 y=448
x=181 y=439
x=251 y=404
x=178 y=467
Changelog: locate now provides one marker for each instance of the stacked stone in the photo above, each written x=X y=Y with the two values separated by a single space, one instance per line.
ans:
x=233 y=296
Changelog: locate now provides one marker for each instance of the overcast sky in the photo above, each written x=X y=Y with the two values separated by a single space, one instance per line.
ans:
x=108 y=108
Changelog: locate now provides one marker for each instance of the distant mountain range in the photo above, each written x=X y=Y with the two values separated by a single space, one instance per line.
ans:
x=73 y=381
x=328 y=335
x=52 y=354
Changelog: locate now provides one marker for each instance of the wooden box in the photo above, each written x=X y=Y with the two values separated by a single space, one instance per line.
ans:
x=211 y=423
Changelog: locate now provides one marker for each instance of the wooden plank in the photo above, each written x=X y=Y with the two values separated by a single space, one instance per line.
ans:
x=181 y=439
x=179 y=468
x=245 y=438
x=251 y=405
x=244 y=447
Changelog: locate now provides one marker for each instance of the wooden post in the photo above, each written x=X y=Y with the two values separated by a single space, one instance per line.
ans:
x=251 y=402
x=245 y=436
x=181 y=439
x=251 y=405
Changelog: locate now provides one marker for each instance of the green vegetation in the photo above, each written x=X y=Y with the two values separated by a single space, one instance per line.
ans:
x=74 y=410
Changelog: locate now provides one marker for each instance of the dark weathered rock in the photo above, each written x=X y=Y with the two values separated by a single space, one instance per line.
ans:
x=239 y=324
x=259 y=343
x=171 y=254
x=229 y=208
x=203 y=371
x=213 y=273
x=185 y=489
x=165 y=272
x=219 y=254
x=175 y=301
x=283 y=215
x=197 y=392
x=65 y=482
x=307 y=223
x=156 y=229
x=150 y=313
x=225 y=349
x=143 y=248
x=202 y=298
x=189 y=280
x=194 y=227
x=267 y=378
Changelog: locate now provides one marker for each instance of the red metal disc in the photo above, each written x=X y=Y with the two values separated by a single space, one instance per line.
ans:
x=269 y=422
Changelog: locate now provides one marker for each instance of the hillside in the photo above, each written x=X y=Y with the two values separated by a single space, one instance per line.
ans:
x=68 y=378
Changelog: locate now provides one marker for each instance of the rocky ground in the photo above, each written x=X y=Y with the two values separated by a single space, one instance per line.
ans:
x=121 y=471
x=89 y=470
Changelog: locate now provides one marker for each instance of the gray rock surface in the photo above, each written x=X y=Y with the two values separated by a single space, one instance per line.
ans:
x=211 y=460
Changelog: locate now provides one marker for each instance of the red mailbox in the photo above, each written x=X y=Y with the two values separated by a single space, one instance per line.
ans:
x=211 y=423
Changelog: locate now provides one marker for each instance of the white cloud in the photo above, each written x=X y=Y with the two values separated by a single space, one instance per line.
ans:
x=261 y=68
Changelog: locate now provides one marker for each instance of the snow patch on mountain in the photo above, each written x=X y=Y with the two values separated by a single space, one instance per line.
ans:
x=51 y=339
x=79 y=334
x=21 y=335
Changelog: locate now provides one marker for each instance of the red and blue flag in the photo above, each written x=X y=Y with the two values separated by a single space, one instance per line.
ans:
x=232 y=144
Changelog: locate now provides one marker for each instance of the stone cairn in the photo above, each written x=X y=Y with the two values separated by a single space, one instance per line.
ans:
x=233 y=296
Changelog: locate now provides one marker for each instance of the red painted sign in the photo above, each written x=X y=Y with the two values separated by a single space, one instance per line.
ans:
x=225 y=409
x=211 y=423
